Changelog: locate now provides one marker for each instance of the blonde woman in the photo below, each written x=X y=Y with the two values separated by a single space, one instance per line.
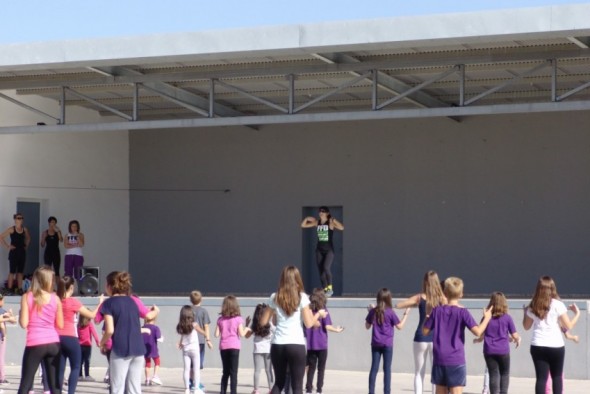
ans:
x=546 y=314
x=430 y=297
x=41 y=313
x=291 y=306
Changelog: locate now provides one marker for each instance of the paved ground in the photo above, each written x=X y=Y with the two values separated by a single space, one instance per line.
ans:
x=336 y=382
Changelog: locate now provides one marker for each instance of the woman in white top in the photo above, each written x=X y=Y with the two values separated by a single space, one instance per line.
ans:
x=73 y=243
x=546 y=314
x=291 y=306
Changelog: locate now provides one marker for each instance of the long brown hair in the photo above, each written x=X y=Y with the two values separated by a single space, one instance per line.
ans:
x=383 y=303
x=288 y=294
x=432 y=291
x=544 y=293
x=63 y=285
x=499 y=303
x=42 y=282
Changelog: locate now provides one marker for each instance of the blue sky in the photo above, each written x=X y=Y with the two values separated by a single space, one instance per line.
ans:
x=42 y=20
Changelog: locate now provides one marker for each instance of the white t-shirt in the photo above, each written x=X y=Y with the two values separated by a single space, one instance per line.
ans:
x=289 y=329
x=262 y=344
x=190 y=341
x=74 y=240
x=547 y=332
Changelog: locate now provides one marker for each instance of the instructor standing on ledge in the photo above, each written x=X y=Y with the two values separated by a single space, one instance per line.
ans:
x=324 y=252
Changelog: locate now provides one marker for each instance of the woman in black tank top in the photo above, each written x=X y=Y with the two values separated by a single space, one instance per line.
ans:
x=325 y=226
x=19 y=241
x=50 y=240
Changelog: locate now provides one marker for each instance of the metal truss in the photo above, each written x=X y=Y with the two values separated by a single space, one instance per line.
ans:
x=385 y=91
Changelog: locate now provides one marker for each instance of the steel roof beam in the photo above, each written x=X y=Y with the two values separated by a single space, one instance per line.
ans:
x=128 y=76
x=170 y=91
x=27 y=107
x=386 y=82
x=95 y=102
x=307 y=118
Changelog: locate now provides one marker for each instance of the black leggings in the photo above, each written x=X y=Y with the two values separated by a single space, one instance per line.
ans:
x=324 y=260
x=548 y=360
x=499 y=370
x=32 y=357
x=230 y=359
x=52 y=260
x=290 y=357
x=316 y=358
x=86 y=353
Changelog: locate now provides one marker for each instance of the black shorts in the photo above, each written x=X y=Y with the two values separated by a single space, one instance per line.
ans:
x=16 y=261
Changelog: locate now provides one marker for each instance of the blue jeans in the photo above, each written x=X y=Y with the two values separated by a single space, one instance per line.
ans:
x=376 y=353
x=70 y=349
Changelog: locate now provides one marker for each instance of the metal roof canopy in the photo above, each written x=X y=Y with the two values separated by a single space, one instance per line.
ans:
x=512 y=61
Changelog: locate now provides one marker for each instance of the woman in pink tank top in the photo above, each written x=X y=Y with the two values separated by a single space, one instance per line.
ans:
x=41 y=315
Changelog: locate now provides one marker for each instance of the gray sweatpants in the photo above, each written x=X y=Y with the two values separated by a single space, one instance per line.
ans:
x=126 y=374
x=262 y=361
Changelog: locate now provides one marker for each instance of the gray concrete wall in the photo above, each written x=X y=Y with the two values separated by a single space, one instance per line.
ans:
x=349 y=350
x=496 y=200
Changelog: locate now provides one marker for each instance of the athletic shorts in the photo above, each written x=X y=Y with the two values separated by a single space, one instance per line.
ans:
x=449 y=375
x=148 y=361
x=16 y=261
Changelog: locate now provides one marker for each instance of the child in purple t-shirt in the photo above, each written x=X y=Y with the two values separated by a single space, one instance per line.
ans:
x=151 y=336
x=230 y=327
x=382 y=319
x=448 y=323
x=317 y=341
x=496 y=349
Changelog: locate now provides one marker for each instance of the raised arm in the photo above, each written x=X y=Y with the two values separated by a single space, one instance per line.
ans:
x=480 y=329
x=309 y=222
x=409 y=302
x=336 y=225
x=310 y=318
x=566 y=322
x=91 y=314
x=402 y=323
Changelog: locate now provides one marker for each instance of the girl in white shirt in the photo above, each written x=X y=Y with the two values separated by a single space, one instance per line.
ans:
x=546 y=314
x=291 y=306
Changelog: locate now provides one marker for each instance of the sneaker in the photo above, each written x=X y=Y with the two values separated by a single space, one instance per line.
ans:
x=255 y=392
x=201 y=387
x=89 y=379
x=156 y=380
x=198 y=391
x=106 y=379
x=329 y=293
x=147 y=382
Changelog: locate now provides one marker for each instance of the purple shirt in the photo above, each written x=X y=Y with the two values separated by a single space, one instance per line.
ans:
x=317 y=337
x=448 y=323
x=229 y=337
x=383 y=333
x=151 y=341
x=495 y=339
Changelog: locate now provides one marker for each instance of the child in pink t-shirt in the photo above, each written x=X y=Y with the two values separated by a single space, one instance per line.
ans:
x=86 y=332
x=230 y=327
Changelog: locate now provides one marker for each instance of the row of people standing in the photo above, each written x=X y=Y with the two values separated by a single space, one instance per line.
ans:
x=50 y=240
x=440 y=335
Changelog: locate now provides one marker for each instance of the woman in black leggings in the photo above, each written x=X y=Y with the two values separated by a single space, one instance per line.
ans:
x=41 y=313
x=546 y=314
x=287 y=351
x=325 y=226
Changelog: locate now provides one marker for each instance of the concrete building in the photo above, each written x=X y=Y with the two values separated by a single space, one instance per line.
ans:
x=453 y=142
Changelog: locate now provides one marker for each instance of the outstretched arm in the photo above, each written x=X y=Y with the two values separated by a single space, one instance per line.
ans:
x=409 y=302
x=309 y=222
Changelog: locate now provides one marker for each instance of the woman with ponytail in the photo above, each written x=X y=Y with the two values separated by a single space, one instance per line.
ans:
x=431 y=296
x=40 y=314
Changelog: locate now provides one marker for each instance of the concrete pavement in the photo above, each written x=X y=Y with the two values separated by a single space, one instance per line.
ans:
x=336 y=382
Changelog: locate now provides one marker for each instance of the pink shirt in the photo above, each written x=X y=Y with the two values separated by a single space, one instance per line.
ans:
x=229 y=337
x=41 y=329
x=85 y=335
x=70 y=307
